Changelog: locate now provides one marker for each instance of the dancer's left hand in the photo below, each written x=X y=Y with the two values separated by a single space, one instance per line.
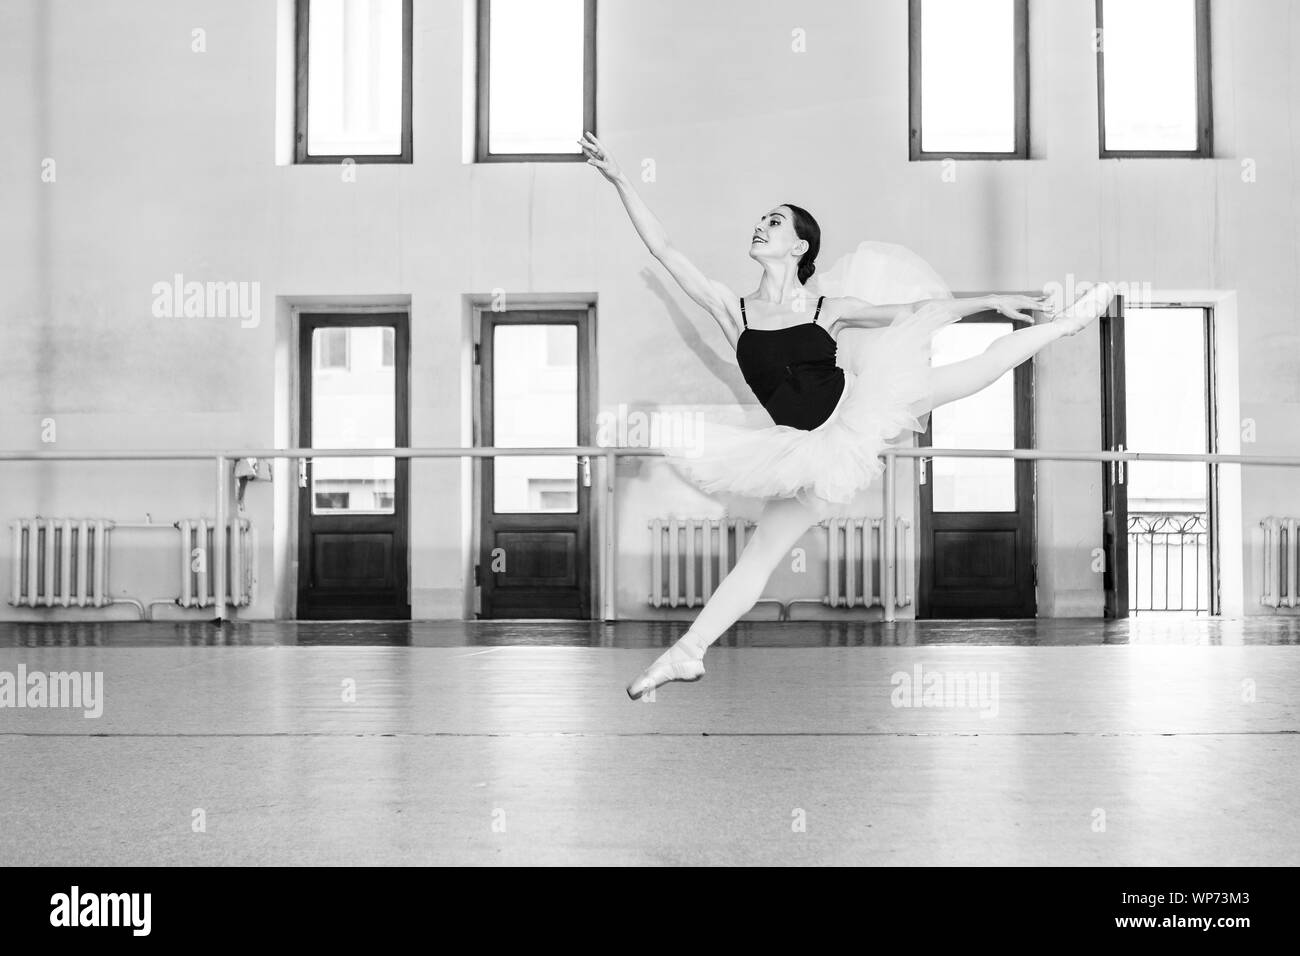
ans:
x=1016 y=306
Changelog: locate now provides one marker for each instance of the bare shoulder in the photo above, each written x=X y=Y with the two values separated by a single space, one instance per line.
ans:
x=842 y=311
x=842 y=306
x=833 y=308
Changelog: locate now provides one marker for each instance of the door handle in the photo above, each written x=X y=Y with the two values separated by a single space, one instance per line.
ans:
x=586 y=470
x=302 y=472
x=1121 y=464
x=921 y=463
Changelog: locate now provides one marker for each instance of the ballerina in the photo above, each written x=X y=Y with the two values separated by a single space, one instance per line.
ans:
x=831 y=420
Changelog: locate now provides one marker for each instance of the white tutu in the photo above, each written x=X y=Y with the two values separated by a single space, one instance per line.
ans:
x=886 y=394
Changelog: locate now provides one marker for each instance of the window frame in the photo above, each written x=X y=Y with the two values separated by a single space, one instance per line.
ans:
x=483 y=106
x=302 y=34
x=1204 y=111
x=1020 y=83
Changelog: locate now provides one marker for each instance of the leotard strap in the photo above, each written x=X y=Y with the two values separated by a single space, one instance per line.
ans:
x=743 y=318
x=819 y=308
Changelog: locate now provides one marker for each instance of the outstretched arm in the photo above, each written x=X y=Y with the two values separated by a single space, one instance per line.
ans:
x=846 y=312
x=714 y=297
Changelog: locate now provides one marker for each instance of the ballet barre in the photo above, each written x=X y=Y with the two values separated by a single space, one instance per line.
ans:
x=891 y=455
x=223 y=462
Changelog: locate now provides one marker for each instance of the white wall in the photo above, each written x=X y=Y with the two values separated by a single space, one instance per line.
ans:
x=166 y=164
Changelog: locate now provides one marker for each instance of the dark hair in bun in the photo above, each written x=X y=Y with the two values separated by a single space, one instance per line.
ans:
x=806 y=228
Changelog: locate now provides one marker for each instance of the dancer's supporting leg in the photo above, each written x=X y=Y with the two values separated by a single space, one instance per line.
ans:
x=781 y=524
x=959 y=379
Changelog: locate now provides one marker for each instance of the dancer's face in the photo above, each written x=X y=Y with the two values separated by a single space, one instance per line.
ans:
x=773 y=237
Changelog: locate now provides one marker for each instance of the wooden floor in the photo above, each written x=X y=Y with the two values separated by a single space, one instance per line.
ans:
x=1146 y=742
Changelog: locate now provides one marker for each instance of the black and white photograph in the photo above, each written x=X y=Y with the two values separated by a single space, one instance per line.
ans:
x=650 y=433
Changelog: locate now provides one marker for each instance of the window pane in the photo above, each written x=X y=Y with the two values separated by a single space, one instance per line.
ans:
x=535 y=74
x=331 y=348
x=353 y=405
x=535 y=405
x=1164 y=375
x=354 y=78
x=986 y=419
x=968 y=76
x=1149 y=63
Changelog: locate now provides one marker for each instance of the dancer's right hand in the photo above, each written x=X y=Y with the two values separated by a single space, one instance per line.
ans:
x=1018 y=306
x=598 y=156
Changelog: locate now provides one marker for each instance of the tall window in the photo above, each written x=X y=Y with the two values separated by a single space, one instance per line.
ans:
x=969 y=76
x=536 y=79
x=1153 y=77
x=354 y=81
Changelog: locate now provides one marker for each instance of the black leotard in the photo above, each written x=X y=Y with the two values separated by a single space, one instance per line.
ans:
x=792 y=371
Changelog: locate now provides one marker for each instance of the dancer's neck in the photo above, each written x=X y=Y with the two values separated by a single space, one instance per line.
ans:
x=780 y=284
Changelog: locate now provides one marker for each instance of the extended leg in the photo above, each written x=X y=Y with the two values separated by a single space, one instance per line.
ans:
x=951 y=382
x=780 y=526
x=959 y=379
x=782 y=523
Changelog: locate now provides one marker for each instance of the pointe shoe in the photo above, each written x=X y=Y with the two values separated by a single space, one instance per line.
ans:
x=1087 y=307
x=665 y=670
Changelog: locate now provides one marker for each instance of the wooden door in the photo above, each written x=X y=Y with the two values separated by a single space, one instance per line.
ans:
x=353 y=512
x=535 y=528
x=976 y=529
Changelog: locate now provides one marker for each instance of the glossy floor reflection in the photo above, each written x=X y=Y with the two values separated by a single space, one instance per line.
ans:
x=1145 y=629
x=1029 y=744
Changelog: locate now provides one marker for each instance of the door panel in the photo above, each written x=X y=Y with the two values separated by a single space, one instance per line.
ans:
x=983 y=558
x=536 y=526
x=976 y=528
x=352 y=512
x=353 y=560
